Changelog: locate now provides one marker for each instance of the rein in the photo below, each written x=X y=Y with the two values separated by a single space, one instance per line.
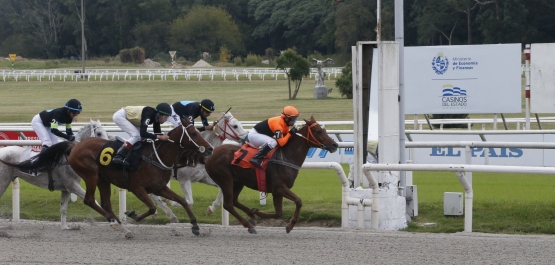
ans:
x=310 y=137
x=161 y=164
x=223 y=135
x=199 y=148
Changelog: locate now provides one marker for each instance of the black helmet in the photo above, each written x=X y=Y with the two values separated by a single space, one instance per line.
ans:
x=207 y=105
x=164 y=109
x=74 y=105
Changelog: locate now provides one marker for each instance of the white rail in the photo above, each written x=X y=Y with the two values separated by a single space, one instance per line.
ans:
x=469 y=195
x=155 y=74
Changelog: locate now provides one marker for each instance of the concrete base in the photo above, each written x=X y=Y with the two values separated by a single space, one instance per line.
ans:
x=320 y=92
x=391 y=216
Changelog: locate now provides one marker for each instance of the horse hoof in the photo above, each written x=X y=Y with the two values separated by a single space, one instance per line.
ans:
x=131 y=213
x=252 y=222
x=288 y=229
x=174 y=220
x=196 y=231
x=129 y=235
x=209 y=211
x=252 y=231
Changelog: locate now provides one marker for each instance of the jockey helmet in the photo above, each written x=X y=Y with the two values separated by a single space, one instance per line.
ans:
x=207 y=105
x=289 y=111
x=74 y=106
x=164 y=109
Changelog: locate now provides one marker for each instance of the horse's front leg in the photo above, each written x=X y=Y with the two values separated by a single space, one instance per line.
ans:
x=169 y=194
x=142 y=195
x=165 y=208
x=287 y=193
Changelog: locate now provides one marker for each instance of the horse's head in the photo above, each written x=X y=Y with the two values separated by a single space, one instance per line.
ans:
x=190 y=138
x=93 y=129
x=317 y=136
x=228 y=127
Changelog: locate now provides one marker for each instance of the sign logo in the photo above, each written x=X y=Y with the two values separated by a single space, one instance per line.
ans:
x=453 y=97
x=440 y=63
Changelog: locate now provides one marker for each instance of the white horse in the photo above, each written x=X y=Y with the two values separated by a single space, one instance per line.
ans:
x=65 y=179
x=227 y=127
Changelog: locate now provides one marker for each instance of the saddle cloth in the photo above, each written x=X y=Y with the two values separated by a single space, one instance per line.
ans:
x=109 y=150
x=242 y=157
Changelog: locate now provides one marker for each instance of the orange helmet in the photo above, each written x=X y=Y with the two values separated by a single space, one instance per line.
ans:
x=289 y=111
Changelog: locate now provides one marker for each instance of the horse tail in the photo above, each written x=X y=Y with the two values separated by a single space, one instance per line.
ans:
x=48 y=158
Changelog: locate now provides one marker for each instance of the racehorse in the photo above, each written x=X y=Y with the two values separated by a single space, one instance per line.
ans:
x=152 y=175
x=63 y=177
x=226 y=127
x=281 y=173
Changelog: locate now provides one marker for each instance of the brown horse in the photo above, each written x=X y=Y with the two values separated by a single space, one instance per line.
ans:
x=280 y=173
x=89 y=160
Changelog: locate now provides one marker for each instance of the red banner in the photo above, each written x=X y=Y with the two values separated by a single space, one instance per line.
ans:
x=15 y=136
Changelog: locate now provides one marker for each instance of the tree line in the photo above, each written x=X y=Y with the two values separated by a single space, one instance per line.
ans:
x=52 y=28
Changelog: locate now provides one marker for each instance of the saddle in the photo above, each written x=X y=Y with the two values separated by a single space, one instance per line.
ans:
x=242 y=157
x=110 y=148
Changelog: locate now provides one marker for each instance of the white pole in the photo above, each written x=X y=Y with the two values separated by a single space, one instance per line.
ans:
x=15 y=199
x=122 y=204
x=527 y=87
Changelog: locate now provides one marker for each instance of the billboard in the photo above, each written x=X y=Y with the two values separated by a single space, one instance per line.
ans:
x=463 y=79
x=15 y=136
x=542 y=78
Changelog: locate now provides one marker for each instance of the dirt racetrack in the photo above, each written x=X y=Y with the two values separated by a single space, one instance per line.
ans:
x=37 y=242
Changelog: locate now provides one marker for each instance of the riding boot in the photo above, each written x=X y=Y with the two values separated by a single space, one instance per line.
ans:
x=262 y=152
x=121 y=155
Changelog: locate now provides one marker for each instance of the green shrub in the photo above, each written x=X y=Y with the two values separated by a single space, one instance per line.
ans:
x=125 y=56
x=238 y=61
x=345 y=82
x=138 y=55
x=252 y=59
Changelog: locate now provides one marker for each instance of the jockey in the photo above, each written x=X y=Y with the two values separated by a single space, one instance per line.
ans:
x=267 y=134
x=46 y=123
x=134 y=120
x=192 y=110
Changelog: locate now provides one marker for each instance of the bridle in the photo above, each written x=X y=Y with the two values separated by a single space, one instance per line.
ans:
x=185 y=132
x=184 y=129
x=223 y=130
x=311 y=138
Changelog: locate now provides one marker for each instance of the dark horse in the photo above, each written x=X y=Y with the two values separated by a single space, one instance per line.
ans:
x=152 y=175
x=280 y=173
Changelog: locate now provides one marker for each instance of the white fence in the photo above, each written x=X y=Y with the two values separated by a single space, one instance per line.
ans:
x=156 y=74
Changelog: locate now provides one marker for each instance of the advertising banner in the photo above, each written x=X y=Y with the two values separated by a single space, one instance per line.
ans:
x=542 y=78
x=15 y=136
x=463 y=79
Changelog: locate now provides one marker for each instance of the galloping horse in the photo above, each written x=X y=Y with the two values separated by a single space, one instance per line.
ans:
x=281 y=173
x=226 y=127
x=63 y=179
x=89 y=157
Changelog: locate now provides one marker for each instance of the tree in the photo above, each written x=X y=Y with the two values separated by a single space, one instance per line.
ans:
x=205 y=29
x=345 y=82
x=295 y=67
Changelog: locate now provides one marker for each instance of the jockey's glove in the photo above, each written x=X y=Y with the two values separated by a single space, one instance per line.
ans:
x=293 y=130
x=71 y=138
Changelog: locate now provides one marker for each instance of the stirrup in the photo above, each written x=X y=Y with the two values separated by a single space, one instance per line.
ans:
x=120 y=160
x=256 y=162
